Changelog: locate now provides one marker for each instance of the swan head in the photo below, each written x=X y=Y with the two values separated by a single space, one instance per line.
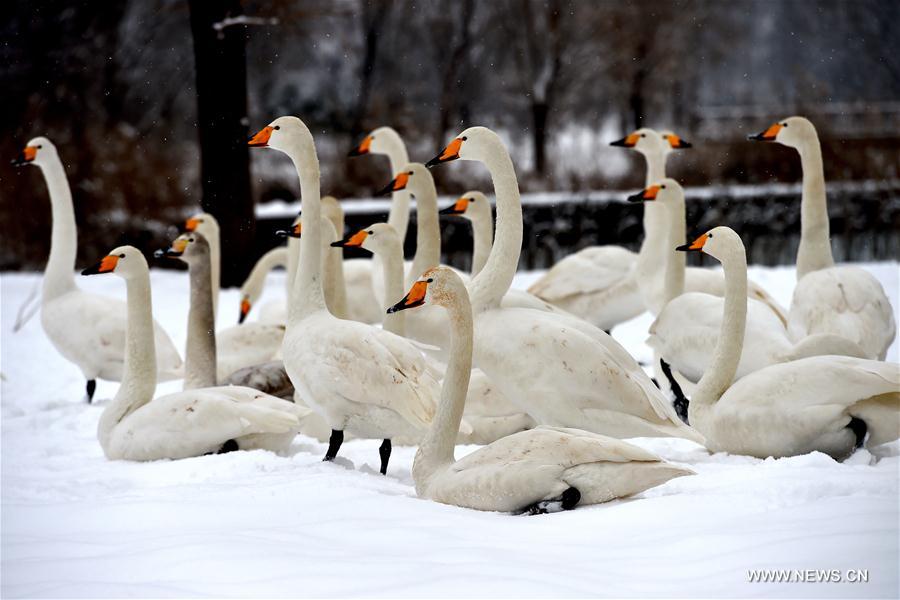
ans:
x=203 y=223
x=719 y=242
x=374 y=238
x=674 y=141
x=475 y=143
x=383 y=140
x=648 y=141
x=125 y=261
x=665 y=190
x=284 y=133
x=331 y=209
x=440 y=286
x=415 y=177
x=793 y=132
x=295 y=231
x=188 y=247
x=472 y=205
x=38 y=151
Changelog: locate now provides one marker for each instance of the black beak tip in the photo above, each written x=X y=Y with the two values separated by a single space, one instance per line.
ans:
x=354 y=152
x=684 y=248
x=685 y=144
x=337 y=244
x=92 y=270
x=619 y=143
x=639 y=197
x=434 y=161
x=757 y=137
x=281 y=233
x=386 y=190
x=241 y=317
x=392 y=310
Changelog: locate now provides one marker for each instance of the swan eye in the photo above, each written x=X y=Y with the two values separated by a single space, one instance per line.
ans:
x=643 y=135
x=122 y=255
x=429 y=280
x=277 y=127
x=370 y=232
x=709 y=235
x=472 y=199
x=783 y=125
x=464 y=138
x=662 y=187
x=39 y=146
x=410 y=173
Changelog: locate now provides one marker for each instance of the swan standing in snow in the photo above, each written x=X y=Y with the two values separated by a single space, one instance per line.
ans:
x=87 y=329
x=560 y=369
x=363 y=379
x=843 y=300
x=830 y=404
x=602 y=284
x=489 y=413
x=684 y=333
x=252 y=288
x=531 y=471
x=190 y=423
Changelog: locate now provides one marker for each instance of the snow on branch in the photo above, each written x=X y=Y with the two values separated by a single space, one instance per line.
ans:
x=220 y=26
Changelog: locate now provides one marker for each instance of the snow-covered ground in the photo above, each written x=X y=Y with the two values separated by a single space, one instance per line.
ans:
x=257 y=524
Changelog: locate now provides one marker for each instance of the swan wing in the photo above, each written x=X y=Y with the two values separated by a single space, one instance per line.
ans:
x=588 y=271
x=712 y=281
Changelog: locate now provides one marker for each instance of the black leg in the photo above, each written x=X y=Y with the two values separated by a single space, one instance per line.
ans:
x=334 y=444
x=681 y=403
x=567 y=501
x=91 y=387
x=859 y=429
x=385 y=453
x=229 y=446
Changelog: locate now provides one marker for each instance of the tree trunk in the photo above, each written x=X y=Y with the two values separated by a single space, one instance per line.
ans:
x=539 y=112
x=221 y=74
x=373 y=22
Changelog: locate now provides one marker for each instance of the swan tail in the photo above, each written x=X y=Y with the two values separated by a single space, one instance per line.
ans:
x=604 y=481
x=763 y=296
x=881 y=415
x=262 y=419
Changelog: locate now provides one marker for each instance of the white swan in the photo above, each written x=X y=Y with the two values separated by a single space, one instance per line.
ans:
x=602 y=284
x=87 y=329
x=684 y=333
x=190 y=423
x=475 y=208
x=490 y=414
x=531 y=471
x=830 y=404
x=252 y=288
x=560 y=369
x=843 y=300
x=360 y=378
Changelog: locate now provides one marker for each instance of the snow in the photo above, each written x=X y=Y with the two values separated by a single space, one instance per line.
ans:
x=258 y=524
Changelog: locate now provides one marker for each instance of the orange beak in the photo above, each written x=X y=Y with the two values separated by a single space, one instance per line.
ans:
x=106 y=265
x=245 y=309
x=261 y=139
x=363 y=147
x=457 y=208
x=28 y=154
x=354 y=241
x=192 y=224
x=648 y=194
x=415 y=297
x=677 y=143
x=768 y=135
x=397 y=183
x=629 y=141
x=451 y=152
x=695 y=246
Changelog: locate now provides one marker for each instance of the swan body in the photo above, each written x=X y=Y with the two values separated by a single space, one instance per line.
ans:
x=189 y=423
x=830 y=404
x=368 y=381
x=525 y=471
x=562 y=370
x=86 y=329
x=842 y=300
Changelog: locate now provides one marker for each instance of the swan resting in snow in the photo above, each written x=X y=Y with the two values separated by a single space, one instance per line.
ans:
x=135 y=426
x=540 y=470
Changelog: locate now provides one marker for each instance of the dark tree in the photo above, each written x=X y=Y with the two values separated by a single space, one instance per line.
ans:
x=221 y=72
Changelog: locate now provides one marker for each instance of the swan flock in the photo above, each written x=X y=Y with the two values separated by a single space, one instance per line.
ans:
x=418 y=353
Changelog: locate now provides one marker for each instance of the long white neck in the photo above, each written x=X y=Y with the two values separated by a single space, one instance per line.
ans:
x=436 y=450
x=200 y=350
x=398 y=217
x=428 y=231
x=307 y=295
x=139 y=376
x=483 y=239
x=213 y=236
x=488 y=288
x=293 y=260
x=676 y=261
x=253 y=286
x=815 y=241
x=719 y=374
x=391 y=255
x=334 y=288
x=59 y=275
x=653 y=255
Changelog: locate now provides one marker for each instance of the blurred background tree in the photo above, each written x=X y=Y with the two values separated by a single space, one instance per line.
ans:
x=114 y=85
